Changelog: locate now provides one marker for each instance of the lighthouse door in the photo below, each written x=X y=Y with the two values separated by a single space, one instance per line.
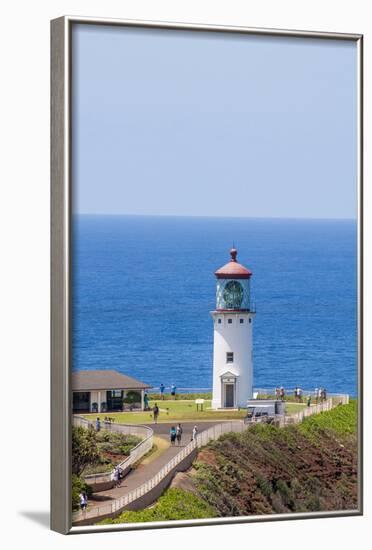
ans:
x=229 y=395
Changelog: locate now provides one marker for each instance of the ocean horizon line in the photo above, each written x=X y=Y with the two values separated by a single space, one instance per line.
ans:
x=188 y=216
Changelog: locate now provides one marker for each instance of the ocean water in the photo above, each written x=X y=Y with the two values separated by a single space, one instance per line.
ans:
x=143 y=288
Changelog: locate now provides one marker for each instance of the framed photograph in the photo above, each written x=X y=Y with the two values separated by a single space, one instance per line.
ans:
x=206 y=274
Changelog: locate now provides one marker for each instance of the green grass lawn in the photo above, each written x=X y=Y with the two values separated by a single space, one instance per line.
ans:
x=172 y=411
x=182 y=410
x=291 y=408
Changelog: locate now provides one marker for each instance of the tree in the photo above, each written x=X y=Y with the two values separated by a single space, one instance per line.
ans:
x=84 y=449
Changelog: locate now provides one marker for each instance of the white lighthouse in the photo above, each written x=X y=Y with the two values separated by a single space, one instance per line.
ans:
x=232 y=348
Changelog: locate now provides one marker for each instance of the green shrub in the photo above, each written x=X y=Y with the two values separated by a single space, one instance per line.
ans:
x=264 y=486
x=175 y=504
x=89 y=448
x=104 y=467
x=341 y=420
x=116 y=443
x=126 y=449
x=112 y=443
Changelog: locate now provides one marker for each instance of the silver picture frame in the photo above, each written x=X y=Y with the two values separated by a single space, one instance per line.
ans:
x=61 y=297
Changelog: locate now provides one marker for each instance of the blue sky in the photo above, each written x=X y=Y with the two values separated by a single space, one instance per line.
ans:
x=204 y=124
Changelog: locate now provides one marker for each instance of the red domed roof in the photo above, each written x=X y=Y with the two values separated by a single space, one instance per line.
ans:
x=233 y=270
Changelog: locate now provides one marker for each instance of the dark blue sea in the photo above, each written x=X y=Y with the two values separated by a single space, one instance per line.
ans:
x=143 y=288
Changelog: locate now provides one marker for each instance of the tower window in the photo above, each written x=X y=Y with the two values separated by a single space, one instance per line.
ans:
x=241 y=321
x=229 y=357
x=219 y=321
x=229 y=321
x=250 y=320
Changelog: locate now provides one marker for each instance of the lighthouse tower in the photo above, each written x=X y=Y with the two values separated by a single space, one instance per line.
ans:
x=232 y=348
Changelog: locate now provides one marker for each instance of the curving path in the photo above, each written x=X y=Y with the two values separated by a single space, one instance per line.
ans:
x=144 y=472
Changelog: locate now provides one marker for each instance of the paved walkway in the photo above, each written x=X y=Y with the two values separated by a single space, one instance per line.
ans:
x=163 y=428
x=144 y=472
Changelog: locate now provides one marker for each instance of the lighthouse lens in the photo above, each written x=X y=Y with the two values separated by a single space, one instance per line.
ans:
x=233 y=295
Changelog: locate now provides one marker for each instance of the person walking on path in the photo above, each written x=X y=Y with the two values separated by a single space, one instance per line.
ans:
x=282 y=393
x=172 y=435
x=173 y=391
x=98 y=424
x=156 y=413
x=179 y=434
x=308 y=403
x=83 y=501
x=162 y=388
x=194 y=433
x=117 y=476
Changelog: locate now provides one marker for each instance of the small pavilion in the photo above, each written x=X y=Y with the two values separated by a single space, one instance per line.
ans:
x=103 y=390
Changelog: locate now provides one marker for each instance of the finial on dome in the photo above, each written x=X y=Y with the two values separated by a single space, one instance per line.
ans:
x=233 y=254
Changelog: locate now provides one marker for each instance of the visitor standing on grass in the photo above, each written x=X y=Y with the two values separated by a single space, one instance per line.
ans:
x=299 y=395
x=179 y=434
x=156 y=413
x=282 y=393
x=296 y=393
x=98 y=424
x=173 y=390
x=162 y=388
x=172 y=435
x=146 y=402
